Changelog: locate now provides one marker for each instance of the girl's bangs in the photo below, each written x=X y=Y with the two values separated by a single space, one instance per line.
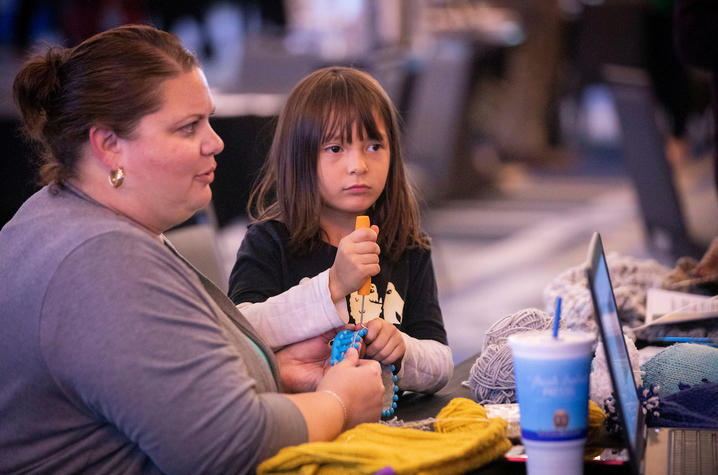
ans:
x=342 y=114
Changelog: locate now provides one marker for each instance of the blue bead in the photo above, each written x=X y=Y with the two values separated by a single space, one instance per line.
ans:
x=395 y=378
x=395 y=397
x=396 y=388
x=393 y=405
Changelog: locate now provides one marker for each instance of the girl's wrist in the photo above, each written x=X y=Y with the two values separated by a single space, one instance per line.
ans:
x=334 y=293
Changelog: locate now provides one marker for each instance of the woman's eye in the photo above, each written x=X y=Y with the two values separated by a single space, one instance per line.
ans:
x=189 y=128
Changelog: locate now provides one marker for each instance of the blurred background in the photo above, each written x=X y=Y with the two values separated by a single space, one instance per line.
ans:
x=528 y=125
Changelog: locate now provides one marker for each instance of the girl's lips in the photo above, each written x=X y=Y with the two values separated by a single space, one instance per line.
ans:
x=357 y=188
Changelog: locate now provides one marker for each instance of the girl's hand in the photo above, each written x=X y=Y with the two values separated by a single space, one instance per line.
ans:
x=383 y=342
x=357 y=258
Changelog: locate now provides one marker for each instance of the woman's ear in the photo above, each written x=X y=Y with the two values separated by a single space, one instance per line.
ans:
x=104 y=144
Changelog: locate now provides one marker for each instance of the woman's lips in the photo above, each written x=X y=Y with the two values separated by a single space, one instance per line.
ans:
x=207 y=177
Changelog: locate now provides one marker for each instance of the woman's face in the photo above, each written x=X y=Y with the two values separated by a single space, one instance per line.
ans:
x=352 y=175
x=169 y=161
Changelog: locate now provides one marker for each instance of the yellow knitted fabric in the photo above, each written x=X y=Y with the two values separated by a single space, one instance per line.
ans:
x=596 y=417
x=463 y=439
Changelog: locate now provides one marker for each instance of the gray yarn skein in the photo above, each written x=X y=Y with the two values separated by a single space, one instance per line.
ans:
x=631 y=278
x=491 y=378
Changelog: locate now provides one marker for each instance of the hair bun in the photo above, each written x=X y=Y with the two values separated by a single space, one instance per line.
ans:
x=37 y=87
x=55 y=59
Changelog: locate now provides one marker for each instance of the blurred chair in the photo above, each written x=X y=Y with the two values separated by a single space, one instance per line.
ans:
x=642 y=144
x=197 y=241
x=607 y=33
x=395 y=74
x=436 y=131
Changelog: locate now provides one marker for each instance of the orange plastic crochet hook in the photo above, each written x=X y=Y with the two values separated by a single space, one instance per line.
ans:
x=363 y=222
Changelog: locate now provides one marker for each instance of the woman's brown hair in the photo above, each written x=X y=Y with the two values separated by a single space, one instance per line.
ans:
x=325 y=104
x=111 y=79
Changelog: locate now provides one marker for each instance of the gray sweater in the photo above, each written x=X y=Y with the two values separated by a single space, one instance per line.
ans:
x=117 y=357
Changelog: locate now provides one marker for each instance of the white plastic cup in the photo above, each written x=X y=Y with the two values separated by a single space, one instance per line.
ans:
x=554 y=458
x=552 y=385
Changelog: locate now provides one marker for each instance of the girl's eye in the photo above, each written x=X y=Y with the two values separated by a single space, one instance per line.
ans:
x=333 y=149
x=375 y=147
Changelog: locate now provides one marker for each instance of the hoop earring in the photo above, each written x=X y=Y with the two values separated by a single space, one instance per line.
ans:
x=117 y=177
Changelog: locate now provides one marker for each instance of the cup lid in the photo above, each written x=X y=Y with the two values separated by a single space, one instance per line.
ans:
x=542 y=344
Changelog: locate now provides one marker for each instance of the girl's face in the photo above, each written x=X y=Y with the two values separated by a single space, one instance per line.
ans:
x=352 y=175
x=169 y=162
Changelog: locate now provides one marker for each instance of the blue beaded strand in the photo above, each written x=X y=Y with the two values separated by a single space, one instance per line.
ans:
x=346 y=339
x=395 y=398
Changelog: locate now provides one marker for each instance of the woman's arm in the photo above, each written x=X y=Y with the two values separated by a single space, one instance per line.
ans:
x=350 y=393
x=140 y=345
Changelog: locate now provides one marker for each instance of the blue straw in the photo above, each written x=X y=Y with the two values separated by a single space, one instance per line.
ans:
x=556 y=317
x=687 y=339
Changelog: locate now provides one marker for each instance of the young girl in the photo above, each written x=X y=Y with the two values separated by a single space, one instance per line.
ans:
x=335 y=155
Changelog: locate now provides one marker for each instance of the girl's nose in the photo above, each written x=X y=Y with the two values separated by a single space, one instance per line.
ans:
x=357 y=162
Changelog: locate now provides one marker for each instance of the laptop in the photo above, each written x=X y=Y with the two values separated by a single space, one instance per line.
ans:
x=651 y=450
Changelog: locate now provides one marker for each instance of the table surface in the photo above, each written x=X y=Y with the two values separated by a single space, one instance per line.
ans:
x=415 y=407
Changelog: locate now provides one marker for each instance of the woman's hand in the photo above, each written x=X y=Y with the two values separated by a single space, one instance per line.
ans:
x=303 y=364
x=357 y=258
x=358 y=383
x=383 y=342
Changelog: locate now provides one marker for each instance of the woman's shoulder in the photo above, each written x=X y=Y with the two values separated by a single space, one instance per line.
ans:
x=58 y=221
x=57 y=236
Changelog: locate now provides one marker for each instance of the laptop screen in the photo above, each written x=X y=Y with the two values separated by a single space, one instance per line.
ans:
x=604 y=304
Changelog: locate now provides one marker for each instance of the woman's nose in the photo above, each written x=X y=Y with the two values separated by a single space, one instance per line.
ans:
x=213 y=145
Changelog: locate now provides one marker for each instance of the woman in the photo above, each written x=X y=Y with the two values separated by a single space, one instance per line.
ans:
x=116 y=355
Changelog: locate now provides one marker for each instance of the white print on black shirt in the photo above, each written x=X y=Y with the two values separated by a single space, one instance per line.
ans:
x=393 y=305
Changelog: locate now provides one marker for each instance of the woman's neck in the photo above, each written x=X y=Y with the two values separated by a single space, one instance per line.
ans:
x=100 y=198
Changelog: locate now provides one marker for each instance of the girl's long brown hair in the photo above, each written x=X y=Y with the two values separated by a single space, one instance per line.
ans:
x=325 y=104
